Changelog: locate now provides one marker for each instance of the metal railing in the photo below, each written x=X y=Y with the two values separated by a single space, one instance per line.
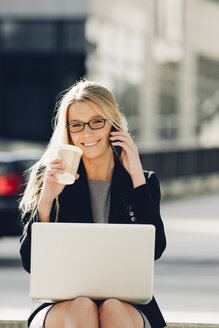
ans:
x=182 y=163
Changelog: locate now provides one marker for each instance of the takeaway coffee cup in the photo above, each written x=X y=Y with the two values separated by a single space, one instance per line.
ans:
x=71 y=156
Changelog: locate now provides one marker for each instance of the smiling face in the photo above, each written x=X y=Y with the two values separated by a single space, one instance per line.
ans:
x=94 y=143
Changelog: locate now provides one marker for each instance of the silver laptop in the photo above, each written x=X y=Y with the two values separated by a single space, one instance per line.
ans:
x=98 y=261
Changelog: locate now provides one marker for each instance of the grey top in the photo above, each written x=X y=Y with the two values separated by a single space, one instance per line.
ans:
x=100 y=200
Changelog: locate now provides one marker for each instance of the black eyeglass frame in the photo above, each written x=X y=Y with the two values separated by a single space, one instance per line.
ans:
x=87 y=123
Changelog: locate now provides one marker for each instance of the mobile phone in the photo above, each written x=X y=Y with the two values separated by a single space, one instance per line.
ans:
x=117 y=149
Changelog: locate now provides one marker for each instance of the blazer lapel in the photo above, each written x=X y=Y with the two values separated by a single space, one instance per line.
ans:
x=121 y=184
x=83 y=192
x=75 y=203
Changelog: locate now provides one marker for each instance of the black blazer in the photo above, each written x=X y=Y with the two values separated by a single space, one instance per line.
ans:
x=128 y=205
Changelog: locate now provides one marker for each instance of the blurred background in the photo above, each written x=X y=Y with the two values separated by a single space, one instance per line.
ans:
x=160 y=58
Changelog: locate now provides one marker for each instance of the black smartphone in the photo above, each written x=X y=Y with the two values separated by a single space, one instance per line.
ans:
x=117 y=149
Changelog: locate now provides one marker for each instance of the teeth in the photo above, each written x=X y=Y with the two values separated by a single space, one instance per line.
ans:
x=91 y=144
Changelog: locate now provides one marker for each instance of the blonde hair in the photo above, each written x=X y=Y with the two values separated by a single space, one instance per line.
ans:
x=82 y=91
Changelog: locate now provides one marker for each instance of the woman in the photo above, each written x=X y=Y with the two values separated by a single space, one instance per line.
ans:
x=85 y=118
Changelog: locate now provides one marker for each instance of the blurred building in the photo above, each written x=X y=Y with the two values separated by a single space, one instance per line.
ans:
x=42 y=52
x=159 y=57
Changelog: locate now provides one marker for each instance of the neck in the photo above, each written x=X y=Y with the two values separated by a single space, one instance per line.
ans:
x=100 y=168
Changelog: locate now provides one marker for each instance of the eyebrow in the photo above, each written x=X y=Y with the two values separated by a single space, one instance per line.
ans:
x=92 y=117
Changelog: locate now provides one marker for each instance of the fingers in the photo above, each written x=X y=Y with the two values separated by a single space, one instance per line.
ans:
x=53 y=171
x=121 y=133
x=55 y=167
x=121 y=144
x=56 y=160
x=123 y=136
x=53 y=178
x=124 y=140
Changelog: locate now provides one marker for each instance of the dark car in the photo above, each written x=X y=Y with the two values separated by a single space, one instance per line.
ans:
x=13 y=164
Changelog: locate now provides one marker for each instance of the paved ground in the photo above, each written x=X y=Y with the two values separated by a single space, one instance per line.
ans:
x=186 y=277
x=202 y=206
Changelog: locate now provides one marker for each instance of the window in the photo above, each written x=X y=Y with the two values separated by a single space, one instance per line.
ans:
x=127 y=97
x=74 y=39
x=169 y=19
x=42 y=36
x=167 y=121
x=27 y=36
x=217 y=1
x=39 y=59
x=207 y=90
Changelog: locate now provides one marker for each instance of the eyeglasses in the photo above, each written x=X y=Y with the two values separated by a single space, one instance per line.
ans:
x=95 y=124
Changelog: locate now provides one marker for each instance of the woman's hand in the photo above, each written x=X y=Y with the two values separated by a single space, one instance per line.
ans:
x=130 y=156
x=51 y=188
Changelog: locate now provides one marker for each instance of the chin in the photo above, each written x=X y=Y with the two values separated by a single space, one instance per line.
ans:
x=96 y=154
x=91 y=155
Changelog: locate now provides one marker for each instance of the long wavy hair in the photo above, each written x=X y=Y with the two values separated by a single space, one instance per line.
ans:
x=83 y=90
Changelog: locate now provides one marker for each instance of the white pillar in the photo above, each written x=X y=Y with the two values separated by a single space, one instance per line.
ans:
x=148 y=90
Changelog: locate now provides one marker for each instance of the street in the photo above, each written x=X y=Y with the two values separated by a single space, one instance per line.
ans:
x=186 y=276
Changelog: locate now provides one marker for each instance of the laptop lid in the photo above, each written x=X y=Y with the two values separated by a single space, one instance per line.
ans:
x=98 y=261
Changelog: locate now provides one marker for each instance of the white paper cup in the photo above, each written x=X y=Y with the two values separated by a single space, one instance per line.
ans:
x=71 y=156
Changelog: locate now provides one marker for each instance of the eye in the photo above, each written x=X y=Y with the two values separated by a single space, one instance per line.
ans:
x=97 y=121
x=76 y=125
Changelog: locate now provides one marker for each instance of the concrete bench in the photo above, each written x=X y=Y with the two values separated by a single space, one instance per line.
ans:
x=22 y=324
x=13 y=324
x=16 y=318
x=192 y=325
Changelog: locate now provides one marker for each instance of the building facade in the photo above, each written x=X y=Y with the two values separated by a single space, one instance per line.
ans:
x=159 y=57
x=42 y=52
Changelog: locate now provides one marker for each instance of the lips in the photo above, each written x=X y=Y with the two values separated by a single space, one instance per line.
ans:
x=90 y=144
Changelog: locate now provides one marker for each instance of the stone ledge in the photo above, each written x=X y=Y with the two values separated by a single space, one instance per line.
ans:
x=22 y=324
x=13 y=324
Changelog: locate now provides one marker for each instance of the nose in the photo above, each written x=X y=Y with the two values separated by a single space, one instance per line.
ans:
x=87 y=130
